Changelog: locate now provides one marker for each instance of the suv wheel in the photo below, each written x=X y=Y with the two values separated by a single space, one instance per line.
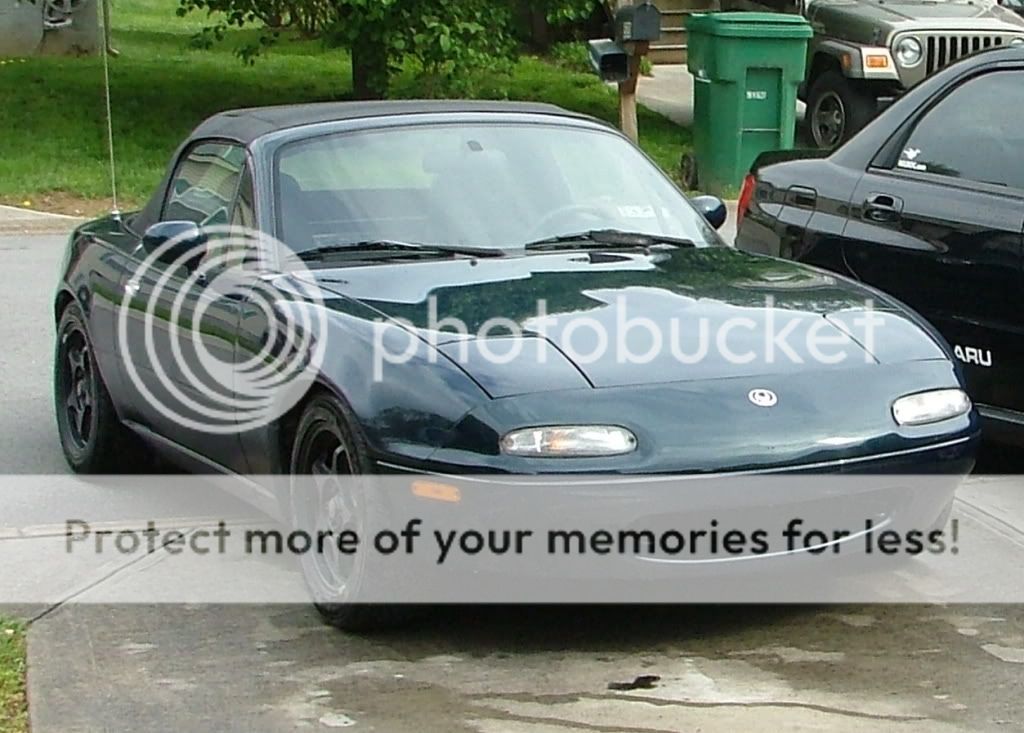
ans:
x=836 y=110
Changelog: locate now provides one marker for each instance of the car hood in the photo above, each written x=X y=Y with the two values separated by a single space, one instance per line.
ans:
x=561 y=303
x=928 y=14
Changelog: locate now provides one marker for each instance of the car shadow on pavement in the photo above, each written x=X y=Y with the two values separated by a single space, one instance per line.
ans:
x=489 y=629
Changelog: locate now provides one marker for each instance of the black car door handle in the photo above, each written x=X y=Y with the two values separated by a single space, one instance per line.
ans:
x=883 y=208
x=801 y=197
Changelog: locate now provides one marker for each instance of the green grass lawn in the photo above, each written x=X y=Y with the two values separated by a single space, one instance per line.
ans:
x=53 y=155
x=13 y=708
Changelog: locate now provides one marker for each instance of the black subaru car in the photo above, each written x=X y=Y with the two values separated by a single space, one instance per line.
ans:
x=926 y=204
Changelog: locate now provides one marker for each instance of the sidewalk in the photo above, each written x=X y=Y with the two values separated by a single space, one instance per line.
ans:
x=25 y=221
x=669 y=93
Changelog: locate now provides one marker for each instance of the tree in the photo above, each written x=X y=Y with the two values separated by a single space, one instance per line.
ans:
x=107 y=25
x=445 y=37
x=545 y=18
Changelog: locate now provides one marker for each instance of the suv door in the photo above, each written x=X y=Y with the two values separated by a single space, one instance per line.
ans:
x=937 y=221
x=180 y=332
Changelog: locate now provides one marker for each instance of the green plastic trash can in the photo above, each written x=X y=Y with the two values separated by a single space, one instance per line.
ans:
x=746 y=69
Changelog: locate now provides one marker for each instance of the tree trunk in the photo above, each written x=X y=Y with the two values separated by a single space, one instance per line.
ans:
x=107 y=28
x=369 y=72
x=540 y=30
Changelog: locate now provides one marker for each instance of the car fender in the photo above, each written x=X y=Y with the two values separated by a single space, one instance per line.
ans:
x=406 y=400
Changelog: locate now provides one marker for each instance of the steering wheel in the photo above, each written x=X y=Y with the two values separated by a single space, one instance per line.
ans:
x=593 y=211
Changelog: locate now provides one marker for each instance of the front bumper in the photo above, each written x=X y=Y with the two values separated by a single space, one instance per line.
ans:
x=743 y=537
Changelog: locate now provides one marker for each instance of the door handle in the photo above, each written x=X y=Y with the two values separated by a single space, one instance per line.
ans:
x=801 y=197
x=883 y=208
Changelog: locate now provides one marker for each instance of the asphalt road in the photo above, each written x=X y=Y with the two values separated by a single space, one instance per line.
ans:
x=507 y=670
x=29 y=271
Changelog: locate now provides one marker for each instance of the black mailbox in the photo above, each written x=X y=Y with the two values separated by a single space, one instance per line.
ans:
x=609 y=60
x=638 y=23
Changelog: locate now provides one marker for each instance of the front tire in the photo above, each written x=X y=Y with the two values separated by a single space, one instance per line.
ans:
x=91 y=435
x=331 y=455
x=836 y=110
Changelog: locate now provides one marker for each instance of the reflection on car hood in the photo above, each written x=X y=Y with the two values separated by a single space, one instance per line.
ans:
x=689 y=296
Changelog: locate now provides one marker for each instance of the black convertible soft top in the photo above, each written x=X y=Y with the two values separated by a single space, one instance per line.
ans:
x=246 y=125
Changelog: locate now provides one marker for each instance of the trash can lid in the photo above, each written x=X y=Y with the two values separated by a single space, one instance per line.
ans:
x=750 y=25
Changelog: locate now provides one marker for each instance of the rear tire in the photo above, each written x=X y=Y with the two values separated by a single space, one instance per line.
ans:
x=91 y=435
x=836 y=110
x=327 y=445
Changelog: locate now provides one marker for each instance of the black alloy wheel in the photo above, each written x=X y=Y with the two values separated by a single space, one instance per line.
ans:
x=91 y=435
x=331 y=493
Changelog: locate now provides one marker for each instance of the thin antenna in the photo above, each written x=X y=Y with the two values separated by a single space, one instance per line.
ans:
x=115 y=211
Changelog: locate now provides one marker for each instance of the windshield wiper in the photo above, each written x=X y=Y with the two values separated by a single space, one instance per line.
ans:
x=394 y=245
x=606 y=238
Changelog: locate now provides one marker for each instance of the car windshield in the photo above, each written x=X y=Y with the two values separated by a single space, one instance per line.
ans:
x=495 y=186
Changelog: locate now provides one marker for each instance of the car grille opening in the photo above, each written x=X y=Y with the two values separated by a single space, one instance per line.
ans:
x=944 y=49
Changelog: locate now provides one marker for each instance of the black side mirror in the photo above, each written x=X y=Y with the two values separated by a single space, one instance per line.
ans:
x=187 y=237
x=711 y=208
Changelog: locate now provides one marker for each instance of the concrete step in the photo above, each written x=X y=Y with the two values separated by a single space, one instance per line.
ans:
x=671 y=37
x=671 y=49
x=677 y=18
x=669 y=6
x=671 y=54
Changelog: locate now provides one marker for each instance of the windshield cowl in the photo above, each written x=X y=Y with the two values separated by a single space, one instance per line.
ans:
x=608 y=239
x=390 y=247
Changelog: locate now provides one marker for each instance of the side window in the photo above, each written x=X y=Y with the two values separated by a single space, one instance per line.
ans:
x=970 y=134
x=244 y=213
x=204 y=184
x=240 y=247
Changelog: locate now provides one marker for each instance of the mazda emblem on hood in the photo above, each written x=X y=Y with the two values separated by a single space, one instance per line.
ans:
x=763 y=397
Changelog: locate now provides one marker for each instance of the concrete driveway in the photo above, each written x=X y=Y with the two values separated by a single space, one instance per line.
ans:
x=501 y=670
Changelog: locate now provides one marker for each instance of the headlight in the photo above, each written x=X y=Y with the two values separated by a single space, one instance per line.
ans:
x=1017 y=41
x=928 y=407
x=569 y=441
x=908 y=52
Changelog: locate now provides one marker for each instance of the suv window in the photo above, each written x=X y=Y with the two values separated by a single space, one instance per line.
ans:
x=204 y=184
x=969 y=134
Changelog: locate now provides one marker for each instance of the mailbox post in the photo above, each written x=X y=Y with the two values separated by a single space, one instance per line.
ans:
x=618 y=60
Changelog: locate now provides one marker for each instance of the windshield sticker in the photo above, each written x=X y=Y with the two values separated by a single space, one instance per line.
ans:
x=636 y=212
x=908 y=159
x=333 y=239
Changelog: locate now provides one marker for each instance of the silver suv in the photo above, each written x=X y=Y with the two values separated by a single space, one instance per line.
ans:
x=865 y=52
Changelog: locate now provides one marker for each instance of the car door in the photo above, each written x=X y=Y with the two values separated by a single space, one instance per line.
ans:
x=937 y=222
x=181 y=327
